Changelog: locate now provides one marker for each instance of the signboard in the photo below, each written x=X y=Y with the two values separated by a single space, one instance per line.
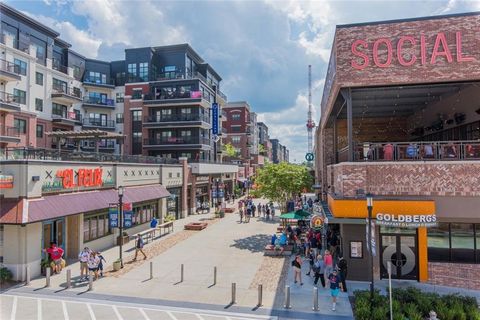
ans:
x=316 y=221
x=309 y=156
x=356 y=250
x=113 y=218
x=221 y=193
x=6 y=181
x=373 y=244
x=81 y=178
x=215 y=118
x=127 y=219
x=407 y=221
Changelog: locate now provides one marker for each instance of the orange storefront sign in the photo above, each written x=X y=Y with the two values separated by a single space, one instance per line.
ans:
x=84 y=178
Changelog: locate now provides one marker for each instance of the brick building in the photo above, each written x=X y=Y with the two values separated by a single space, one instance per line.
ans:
x=400 y=119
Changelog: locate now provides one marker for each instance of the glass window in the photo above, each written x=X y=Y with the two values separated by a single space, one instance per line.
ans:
x=143 y=71
x=119 y=117
x=59 y=110
x=39 y=78
x=20 y=66
x=95 y=226
x=76 y=72
x=235 y=128
x=137 y=115
x=236 y=139
x=96 y=77
x=38 y=104
x=20 y=96
x=186 y=110
x=137 y=94
x=132 y=71
x=39 y=131
x=59 y=85
x=21 y=125
x=462 y=242
x=119 y=97
x=439 y=243
x=235 y=116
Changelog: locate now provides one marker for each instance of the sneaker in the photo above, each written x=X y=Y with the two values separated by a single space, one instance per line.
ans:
x=301 y=284
x=333 y=307
x=308 y=273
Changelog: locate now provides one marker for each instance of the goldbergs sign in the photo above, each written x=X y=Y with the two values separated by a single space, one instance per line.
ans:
x=406 y=221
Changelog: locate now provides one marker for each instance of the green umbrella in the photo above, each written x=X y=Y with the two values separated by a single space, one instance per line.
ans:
x=292 y=215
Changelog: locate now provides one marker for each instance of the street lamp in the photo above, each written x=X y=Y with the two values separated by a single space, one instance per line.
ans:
x=120 y=190
x=370 y=209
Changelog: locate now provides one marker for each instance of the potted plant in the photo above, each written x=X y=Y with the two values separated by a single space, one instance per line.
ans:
x=124 y=238
x=117 y=265
x=44 y=264
x=5 y=275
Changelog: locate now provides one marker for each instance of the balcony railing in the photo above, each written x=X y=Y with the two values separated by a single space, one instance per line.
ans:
x=57 y=66
x=413 y=151
x=9 y=98
x=99 y=101
x=6 y=131
x=176 y=140
x=99 y=82
x=98 y=123
x=72 y=116
x=173 y=95
x=9 y=66
x=73 y=155
x=74 y=92
x=176 y=117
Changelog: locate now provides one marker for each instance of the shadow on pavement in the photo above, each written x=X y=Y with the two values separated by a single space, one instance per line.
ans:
x=255 y=243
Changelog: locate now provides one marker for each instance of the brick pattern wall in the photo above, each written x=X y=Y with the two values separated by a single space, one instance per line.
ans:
x=440 y=178
x=465 y=276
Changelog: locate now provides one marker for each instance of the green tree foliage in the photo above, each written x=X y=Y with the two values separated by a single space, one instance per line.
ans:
x=230 y=150
x=262 y=150
x=280 y=182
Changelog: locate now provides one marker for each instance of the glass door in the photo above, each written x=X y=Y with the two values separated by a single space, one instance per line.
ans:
x=401 y=251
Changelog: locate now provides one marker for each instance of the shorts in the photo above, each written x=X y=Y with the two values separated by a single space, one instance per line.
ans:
x=93 y=269
x=58 y=262
x=83 y=265
x=334 y=292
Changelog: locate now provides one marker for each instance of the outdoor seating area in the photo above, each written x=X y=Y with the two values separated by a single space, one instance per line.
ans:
x=271 y=250
x=196 y=226
x=151 y=234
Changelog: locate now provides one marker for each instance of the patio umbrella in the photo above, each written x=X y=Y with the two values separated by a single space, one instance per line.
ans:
x=292 y=216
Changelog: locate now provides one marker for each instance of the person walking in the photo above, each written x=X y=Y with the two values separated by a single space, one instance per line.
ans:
x=319 y=270
x=282 y=242
x=249 y=213
x=93 y=263
x=297 y=269
x=328 y=260
x=335 y=287
x=267 y=213
x=254 y=208
x=55 y=254
x=100 y=264
x=139 y=248
x=241 y=215
x=83 y=257
x=311 y=260
x=342 y=268
x=259 y=209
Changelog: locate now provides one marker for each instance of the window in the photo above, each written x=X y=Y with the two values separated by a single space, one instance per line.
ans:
x=38 y=104
x=186 y=110
x=59 y=110
x=59 y=85
x=137 y=115
x=463 y=242
x=76 y=72
x=96 y=77
x=137 y=94
x=132 y=71
x=236 y=139
x=120 y=78
x=235 y=116
x=20 y=66
x=20 y=96
x=119 y=96
x=235 y=128
x=143 y=71
x=21 y=125
x=144 y=213
x=119 y=117
x=39 y=78
x=39 y=131
x=95 y=226
x=454 y=242
x=1 y=241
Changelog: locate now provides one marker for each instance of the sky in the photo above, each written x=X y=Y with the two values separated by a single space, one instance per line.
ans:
x=261 y=48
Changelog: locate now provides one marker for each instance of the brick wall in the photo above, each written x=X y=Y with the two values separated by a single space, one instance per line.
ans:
x=465 y=276
x=440 y=178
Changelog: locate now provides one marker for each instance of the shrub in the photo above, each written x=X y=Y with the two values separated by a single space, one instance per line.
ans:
x=169 y=218
x=5 y=274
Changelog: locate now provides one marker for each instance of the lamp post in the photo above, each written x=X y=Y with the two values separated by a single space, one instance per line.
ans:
x=370 y=209
x=120 y=220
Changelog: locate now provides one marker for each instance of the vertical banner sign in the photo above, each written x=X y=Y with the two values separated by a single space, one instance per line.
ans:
x=127 y=215
x=215 y=118
x=113 y=216
x=373 y=244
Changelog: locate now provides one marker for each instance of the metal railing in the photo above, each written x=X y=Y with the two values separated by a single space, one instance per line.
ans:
x=414 y=151
x=176 y=117
x=176 y=140
x=74 y=92
x=73 y=155
x=9 y=66
x=7 y=131
x=59 y=67
x=9 y=98
x=98 y=123
x=68 y=116
x=172 y=95
x=99 y=101
x=89 y=80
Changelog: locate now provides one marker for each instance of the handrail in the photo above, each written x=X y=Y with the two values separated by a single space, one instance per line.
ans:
x=93 y=100
x=57 y=88
x=8 y=98
x=99 y=123
x=176 y=140
x=9 y=66
x=176 y=117
x=9 y=131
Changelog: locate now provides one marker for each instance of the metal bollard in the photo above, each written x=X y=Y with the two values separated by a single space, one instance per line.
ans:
x=287 y=305
x=151 y=270
x=315 y=299
x=90 y=282
x=27 y=276
x=181 y=273
x=234 y=293
x=260 y=295
x=69 y=278
x=214 y=275
x=47 y=277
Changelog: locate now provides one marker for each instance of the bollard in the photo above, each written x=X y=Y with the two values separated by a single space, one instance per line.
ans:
x=315 y=299
x=90 y=282
x=27 y=276
x=214 y=275
x=69 y=278
x=47 y=277
x=260 y=295
x=181 y=273
x=151 y=270
x=234 y=293
x=287 y=298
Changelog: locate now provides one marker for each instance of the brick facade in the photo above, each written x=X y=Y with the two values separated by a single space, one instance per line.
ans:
x=466 y=276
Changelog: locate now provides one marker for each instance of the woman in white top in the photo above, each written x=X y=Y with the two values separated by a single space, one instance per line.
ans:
x=93 y=262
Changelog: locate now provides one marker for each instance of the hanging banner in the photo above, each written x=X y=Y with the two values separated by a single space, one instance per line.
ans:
x=113 y=216
x=373 y=243
x=127 y=219
x=215 y=118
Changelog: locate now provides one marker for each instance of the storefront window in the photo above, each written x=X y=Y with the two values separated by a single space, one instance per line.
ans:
x=439 y=243
x=462 y=242
x=453 y=242
x=143 y=213
x=95 y=226
x=477 y=232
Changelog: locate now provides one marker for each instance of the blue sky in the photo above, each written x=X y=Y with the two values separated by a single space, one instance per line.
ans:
x=261 y=49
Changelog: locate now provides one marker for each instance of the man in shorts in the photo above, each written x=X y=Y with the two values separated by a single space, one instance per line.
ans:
x=335 y=287
x=55 y=253
x=83 y=258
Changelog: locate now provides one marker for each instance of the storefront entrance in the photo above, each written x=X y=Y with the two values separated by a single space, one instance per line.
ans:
x=54 y=231
x=399 y=247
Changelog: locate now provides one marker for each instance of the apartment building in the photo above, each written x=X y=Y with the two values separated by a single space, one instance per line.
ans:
x=264 y=140
x=239 y=129
x=280 y=153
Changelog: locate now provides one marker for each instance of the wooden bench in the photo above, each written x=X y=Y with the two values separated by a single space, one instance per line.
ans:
x=196 y=226
x=270 y=250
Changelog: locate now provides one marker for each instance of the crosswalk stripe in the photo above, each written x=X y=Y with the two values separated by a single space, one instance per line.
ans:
x=171 y=315
x=39 y=309
x=65 y=312
x=199 y=316
x=14 y=309
x=144 y=314
x=90 y=311
x=119 y=316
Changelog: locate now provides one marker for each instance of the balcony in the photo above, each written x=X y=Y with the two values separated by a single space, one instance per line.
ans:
x=15 y=43
x=59 y=67
x=70 y=118
x=9 y=71
x=249 y=131
x=8 y=102
x=177 y=120
x=9 y=134
x=98 y=102
x=94 y=82
x=98 y=124
x=177 y=142
x=66 y=95
x=173 y=97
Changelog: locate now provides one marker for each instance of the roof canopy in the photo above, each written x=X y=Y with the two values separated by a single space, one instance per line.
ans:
x=85 y=134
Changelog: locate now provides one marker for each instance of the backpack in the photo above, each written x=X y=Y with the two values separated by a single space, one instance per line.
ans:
x=140 y=243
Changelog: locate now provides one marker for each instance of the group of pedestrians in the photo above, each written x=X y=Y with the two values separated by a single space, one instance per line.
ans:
x=247 y=209
x=90 y=262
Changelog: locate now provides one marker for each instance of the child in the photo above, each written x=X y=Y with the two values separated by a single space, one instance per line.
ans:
x=100 y=264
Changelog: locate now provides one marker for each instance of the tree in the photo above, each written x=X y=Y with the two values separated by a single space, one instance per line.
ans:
x=262 y=150
x=281 y=182
x=230 y=150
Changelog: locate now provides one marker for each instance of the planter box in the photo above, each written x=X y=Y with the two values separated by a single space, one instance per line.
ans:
x=196 y=226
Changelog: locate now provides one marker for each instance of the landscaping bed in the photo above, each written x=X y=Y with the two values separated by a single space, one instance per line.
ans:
x=196 y=226
x=414 y=304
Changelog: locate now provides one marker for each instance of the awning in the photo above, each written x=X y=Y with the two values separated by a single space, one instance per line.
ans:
x=241 y=180
x=51 y=207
